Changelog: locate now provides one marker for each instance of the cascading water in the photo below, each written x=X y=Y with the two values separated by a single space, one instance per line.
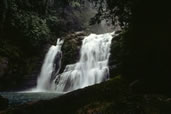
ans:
x=92 y=67
x=50 y=68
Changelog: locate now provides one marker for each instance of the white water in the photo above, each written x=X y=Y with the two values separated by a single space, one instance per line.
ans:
x=92 y=67
x=44 y=82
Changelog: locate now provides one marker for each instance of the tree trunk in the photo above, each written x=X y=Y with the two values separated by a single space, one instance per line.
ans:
x=45 y=4
x=51 y=3
x=4 y=13
x=27 y=3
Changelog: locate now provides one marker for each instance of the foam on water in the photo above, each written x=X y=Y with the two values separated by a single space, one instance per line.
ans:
x=51 y=67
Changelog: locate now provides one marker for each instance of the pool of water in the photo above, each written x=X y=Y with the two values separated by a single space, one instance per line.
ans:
x=17 y=98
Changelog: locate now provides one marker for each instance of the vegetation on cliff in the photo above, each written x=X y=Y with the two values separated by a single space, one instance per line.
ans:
x=26 y=29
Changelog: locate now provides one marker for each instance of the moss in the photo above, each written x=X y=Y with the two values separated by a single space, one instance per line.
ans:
x=94 y=108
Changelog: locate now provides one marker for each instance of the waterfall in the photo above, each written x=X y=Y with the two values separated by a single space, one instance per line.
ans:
x=92 y=67
x=50 y=68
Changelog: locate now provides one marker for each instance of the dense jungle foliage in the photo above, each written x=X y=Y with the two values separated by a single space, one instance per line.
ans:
x=27 y=27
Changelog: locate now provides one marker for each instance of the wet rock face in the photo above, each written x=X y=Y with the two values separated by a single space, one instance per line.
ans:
x=3 y=103
x=116 y=55
x=71 y=48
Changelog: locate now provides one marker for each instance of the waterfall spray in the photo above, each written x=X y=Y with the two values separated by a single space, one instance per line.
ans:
x=50 y=68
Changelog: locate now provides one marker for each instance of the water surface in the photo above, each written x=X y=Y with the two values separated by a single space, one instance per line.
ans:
x=17 y=98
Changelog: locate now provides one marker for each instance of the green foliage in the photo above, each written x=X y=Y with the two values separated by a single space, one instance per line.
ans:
x=25 y=31
x=114 y=10
x=52 y=22
x=75 y=4
x=30 y=25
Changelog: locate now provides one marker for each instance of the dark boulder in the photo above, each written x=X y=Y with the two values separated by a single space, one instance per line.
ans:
x=3 y=103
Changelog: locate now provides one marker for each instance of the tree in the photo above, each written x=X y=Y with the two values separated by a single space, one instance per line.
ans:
x=3 y=12
x=147 y=42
